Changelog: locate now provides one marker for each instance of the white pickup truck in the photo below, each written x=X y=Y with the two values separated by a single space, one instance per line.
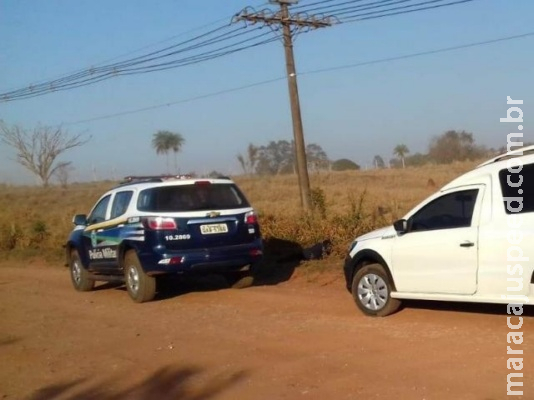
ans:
x=472 y=241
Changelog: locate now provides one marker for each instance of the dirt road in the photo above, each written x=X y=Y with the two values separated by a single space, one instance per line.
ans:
x=293 y=340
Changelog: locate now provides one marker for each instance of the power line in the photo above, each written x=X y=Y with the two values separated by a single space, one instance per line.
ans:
x=312 y=4
x=99 y=73
x=332 y=8
x=168 y=104
x=150 y=45
x=150 y=62
x=127 y=68
x=418 y=54
x=311 y=72
x=367 y=16
x=347 y=11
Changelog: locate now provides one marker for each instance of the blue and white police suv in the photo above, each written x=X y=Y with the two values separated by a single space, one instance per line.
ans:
x=153 y=226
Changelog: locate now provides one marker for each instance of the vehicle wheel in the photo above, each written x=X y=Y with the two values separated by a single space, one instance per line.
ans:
x=260 y=269
x=371 y=289
x=79 y=276
x=140 y=286
x=239 y=279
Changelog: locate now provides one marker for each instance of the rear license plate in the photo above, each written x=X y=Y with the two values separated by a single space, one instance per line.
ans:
x=213 y=228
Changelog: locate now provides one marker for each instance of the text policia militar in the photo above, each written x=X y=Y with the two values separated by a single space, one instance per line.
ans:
x=514 y=253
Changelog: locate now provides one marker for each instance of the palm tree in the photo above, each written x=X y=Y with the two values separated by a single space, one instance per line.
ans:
x=401 y=150
x=176 y=141
x=164 y=141
x=160 y=142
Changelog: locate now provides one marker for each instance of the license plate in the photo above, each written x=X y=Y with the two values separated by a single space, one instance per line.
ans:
x=213 y=228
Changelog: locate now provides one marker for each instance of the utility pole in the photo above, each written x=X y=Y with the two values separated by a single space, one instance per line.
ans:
x=290 y=24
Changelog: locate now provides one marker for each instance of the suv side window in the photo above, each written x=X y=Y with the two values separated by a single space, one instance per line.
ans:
x=519 y=186
x=453 y=210
x=99 y=212
x=120 y=203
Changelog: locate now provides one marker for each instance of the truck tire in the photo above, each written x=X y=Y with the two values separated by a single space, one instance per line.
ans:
x=79 y=276
x=371 y=290
x=140 y=286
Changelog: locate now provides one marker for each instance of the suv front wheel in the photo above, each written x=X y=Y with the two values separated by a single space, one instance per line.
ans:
x=371 y=289
x=140 y=286
x=79 y=276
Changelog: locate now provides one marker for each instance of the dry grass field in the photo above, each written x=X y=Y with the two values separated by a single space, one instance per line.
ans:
x=295 y=334
x=35 y=222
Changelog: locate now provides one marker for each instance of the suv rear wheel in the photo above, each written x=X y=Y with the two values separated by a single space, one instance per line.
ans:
x=371 y=289
x=140 y=286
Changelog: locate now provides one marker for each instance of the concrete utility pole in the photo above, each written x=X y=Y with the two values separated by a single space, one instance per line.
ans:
x=288 y=22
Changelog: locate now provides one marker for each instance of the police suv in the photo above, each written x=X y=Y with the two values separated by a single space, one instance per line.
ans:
x=151 y=226
x=472 y=241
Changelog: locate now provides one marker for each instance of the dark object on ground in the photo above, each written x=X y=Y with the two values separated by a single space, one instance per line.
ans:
x=281 y=250
x=318 y=250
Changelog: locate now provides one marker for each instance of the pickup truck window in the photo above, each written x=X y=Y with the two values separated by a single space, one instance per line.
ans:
x=453 y=210
x=518 y=188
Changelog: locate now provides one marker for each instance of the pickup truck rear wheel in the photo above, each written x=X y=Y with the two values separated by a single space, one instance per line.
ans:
x=140 y=286
x=371 y=289
x=79 y=275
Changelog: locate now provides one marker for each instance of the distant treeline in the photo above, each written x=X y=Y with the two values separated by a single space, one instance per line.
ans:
x=278 y=157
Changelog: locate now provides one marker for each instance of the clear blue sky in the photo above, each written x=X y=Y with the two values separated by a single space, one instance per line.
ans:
x=352 y=113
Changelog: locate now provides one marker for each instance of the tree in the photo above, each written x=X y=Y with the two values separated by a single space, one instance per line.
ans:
x=417 y=159
x=454 y=146
x=63 y=172
x=38 y=150
x=249 y=163
x=165 y=141
x=279 y=158
x=401 y=150
x=276 y=158
x=317 y=158
x=378 y=162
x=344 y=164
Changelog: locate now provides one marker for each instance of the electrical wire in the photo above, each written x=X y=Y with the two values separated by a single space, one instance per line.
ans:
x=387 y=13
x=137 y=50
x=333 y=7
x=311 y=72
x=219 y=42
x=100 y=74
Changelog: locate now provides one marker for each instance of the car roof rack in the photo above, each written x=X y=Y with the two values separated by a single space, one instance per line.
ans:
x=130 y=180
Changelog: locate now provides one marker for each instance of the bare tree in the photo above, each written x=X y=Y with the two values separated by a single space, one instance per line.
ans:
x=63 y=170
x=38 y=150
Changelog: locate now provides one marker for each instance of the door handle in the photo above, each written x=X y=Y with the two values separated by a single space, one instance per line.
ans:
x=467 y=244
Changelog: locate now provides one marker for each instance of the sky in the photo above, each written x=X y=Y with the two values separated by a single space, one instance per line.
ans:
x=353 y=113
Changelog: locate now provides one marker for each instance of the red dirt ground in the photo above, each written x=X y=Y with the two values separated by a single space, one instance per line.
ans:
x=296 y=339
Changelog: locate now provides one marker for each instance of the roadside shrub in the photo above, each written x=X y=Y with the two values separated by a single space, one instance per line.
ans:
x=10 y=236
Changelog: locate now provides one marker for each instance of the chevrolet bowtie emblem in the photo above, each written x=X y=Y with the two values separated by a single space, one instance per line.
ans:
x=213 y=214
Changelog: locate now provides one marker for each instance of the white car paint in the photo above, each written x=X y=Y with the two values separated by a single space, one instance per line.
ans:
x=437 y=265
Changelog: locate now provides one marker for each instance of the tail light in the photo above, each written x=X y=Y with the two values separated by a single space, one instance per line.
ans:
x=172 y=261
x=251 y=218
x=160 y=223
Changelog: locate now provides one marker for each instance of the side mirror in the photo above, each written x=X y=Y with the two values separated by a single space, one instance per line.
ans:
x=80 y=219
x=401 y=226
